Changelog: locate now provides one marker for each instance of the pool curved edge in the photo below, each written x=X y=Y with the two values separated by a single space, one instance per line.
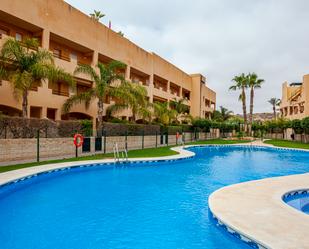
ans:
x=14 y=176
x=255 y=212
x=19 y=175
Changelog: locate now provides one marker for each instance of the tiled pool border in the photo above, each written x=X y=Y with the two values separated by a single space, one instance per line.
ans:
x=182 y=149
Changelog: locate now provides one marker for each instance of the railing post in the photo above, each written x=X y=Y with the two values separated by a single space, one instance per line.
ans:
x=104 y=134
x=143 y=137
x=126 y=140
x=166 y=139
x=156 y=139
x=5 y=132
x=38 y=146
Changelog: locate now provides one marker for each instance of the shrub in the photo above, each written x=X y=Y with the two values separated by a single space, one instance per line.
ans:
x=305 y=124
x=297 y=126
x=202 y=124
x=86 y=127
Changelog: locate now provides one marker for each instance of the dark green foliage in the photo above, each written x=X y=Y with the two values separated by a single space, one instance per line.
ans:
x=86 y=127
x=297 y=126
x=305 y=125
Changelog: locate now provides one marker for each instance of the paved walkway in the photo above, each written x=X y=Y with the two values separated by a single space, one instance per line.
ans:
x=256 y=209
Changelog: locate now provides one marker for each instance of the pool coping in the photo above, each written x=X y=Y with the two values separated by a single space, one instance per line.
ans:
x=230 y=225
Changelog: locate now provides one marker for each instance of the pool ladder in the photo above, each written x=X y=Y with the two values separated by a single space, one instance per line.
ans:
x=123 y=153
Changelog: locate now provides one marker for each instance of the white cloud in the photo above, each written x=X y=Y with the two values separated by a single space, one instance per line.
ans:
x=220 y=38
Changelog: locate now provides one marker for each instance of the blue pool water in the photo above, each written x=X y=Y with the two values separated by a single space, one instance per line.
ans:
x=298 y=200
x=149 y=205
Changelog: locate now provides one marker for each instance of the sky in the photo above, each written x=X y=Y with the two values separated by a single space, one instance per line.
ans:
x=219 y=38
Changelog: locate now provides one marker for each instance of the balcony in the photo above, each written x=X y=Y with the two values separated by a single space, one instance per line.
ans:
x=59 y=88
x=139 y=77
x=69 y=51
x=13 y=27
x=186 y=94
x=175 y=89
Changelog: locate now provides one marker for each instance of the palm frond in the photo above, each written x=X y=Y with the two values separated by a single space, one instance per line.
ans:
x=88 y=70
x=85 y=97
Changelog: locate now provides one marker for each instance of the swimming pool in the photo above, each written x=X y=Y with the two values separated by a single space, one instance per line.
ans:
x=298 y=199
x=138 y=205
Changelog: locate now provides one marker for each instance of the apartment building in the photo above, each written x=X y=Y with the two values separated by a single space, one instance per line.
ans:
x=295 y=99
x=74 y=38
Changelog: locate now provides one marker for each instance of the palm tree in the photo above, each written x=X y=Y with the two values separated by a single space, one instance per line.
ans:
x=131 y=96
x=241 y=83
x=180 y=108
x=163 y=113
x=120 y=33
x=254 y=83
x=96 y=15
x=24 y=65
x=103 y=87
x=274 y=102
x=225 y=113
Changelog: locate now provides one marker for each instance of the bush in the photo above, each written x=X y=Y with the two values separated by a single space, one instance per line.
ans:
x=118 y=129
x=297 y=126
x=305 y=124
x=86 y=127
x=202 y=124
x=226 y=127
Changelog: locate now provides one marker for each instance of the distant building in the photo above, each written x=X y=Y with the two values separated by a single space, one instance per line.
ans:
x=295 y=99
x=74 y=38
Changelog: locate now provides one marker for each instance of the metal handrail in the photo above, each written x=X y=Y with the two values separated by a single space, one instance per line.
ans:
x=124 y=154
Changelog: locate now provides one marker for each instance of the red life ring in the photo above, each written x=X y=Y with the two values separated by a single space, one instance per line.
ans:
x=78 y=140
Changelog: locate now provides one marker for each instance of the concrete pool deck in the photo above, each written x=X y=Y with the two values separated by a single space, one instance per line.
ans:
x=254 y=209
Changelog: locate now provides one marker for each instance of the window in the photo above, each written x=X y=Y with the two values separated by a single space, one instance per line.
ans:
x=57 y=53
x=73 y=56
x=18 y=37
x=51 y=113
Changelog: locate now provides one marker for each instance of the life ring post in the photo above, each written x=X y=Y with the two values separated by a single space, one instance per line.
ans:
x=78 y=141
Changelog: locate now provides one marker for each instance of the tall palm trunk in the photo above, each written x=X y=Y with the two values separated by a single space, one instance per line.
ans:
x=25 y=104
x=134 y=111
x=274 y=110
x=251 y=104
x=244 y=108
x=100 y=114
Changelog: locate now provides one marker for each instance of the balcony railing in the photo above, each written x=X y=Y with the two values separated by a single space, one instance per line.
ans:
x=61 y=93
x=62 y=57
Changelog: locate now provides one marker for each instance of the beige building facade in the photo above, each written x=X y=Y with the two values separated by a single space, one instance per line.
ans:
x=295 y=99
x=74 y=38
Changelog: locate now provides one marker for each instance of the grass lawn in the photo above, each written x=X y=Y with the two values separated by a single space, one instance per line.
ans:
x=153 y=152
x=289 y=144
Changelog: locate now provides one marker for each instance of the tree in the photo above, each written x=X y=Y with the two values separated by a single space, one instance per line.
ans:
x=222 y=115
x=131 y=96
x=121 y=33
x=103 y=87
x=96 y=15
x=180 y=108
x=25 y=65
x=163 y=114
x=274 y=102
x=241 y=83
x=254 y=83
